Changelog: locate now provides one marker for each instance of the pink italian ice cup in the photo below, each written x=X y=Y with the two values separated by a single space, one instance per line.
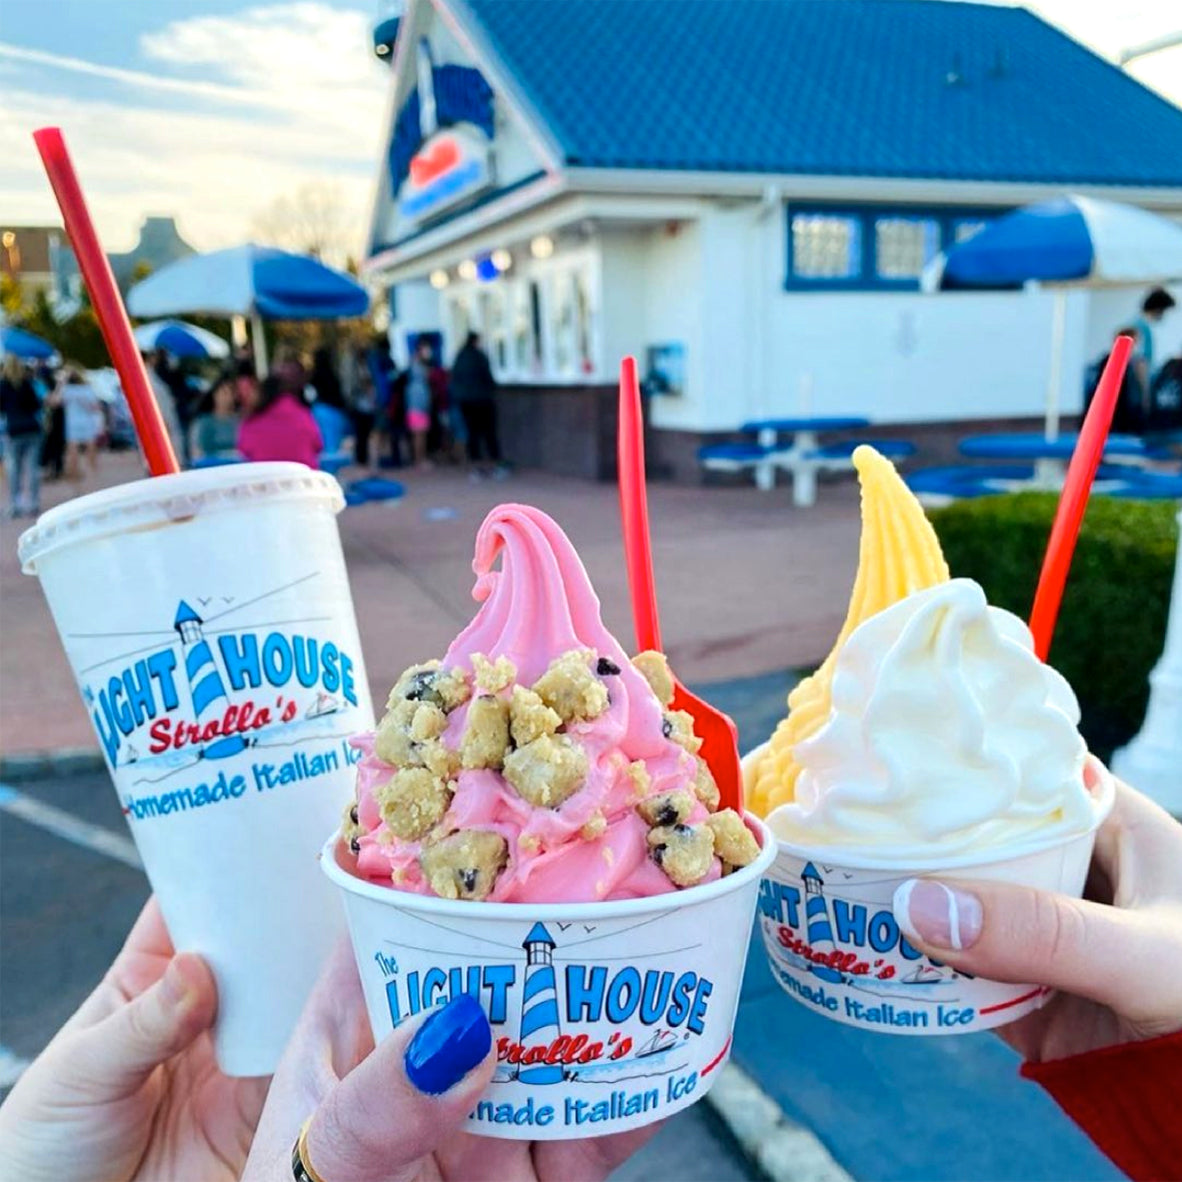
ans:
x=833 y=943
x=605 y=1016
x=611 y=993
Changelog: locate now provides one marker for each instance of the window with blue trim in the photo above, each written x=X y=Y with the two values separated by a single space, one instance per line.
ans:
x=872 y=247
x=826 y=245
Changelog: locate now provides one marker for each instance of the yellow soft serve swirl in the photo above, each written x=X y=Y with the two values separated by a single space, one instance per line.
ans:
x=899 y=554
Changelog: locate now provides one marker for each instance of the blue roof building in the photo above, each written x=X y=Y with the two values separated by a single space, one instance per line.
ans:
x=733 y=190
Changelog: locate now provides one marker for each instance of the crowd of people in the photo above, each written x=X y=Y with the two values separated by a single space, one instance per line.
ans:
x=421 y=415
x=424 y=414
x=51 y=422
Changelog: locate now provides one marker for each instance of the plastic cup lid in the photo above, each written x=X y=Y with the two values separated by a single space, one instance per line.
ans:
x=164 y=499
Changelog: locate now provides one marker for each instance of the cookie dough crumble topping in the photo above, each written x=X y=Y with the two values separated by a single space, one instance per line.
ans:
x=521 y=733
x=571 y=688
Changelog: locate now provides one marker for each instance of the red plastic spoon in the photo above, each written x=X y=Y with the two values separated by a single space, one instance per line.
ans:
x=719 y=737
x=1073 y=500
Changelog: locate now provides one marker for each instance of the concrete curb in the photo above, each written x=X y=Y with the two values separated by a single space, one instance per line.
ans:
x=39 y=765
x=774 y=1143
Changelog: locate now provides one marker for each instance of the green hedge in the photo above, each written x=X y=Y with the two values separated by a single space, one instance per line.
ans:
x=1112 y=624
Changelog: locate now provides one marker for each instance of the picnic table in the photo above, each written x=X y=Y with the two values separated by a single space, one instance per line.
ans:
x=800 y=454
x=1050 y=456
x=796 y=454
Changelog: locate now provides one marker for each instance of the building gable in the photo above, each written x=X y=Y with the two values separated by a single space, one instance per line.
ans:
x=455 y=140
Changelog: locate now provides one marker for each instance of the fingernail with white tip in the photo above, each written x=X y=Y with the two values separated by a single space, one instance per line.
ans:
x=937 y=915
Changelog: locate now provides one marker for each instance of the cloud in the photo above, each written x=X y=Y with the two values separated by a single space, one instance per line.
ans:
x=234 y=112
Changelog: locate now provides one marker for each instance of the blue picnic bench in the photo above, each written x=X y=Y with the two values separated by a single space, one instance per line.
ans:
x=801 y=455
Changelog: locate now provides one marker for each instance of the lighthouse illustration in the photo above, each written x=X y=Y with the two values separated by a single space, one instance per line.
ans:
x=205 y=680
x=539 y=1005
x=820 y=929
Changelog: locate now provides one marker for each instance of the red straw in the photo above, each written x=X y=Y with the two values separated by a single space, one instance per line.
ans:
x=108 y=307
x=1074 y=498
x=638 y=553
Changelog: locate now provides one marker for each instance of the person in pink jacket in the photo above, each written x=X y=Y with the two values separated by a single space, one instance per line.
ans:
x=280 y=426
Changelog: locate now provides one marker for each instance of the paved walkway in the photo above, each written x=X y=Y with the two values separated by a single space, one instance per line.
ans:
x=748 y=584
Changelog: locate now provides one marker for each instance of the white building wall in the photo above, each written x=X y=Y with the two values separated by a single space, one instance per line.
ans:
x=758 y=351
x=674 y=312
x=624 y=259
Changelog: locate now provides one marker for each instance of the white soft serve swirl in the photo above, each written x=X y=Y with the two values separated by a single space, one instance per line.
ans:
x=946 y=735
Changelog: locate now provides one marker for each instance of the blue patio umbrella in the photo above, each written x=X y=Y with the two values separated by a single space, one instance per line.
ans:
x=1066 y=243
x=261 y=282
x=25 y=345
x=180 y=339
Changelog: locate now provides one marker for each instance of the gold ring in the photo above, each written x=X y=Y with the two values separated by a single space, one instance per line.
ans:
x=301 y=1167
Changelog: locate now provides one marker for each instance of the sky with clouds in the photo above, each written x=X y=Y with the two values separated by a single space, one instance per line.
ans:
x=212 y=109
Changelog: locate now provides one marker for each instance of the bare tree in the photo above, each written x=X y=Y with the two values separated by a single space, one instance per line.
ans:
x=313 y=220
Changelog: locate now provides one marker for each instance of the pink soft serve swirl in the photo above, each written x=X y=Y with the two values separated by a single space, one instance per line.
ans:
x=537 y=606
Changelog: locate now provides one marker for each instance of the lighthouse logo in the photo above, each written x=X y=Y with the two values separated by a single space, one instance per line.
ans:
x=206 y=687
x=820 y=929
x=539 y=1004
x=557 y=1015
x=218 y=681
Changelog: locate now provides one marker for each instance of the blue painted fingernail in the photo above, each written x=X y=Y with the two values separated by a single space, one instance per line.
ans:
x=448 y=1045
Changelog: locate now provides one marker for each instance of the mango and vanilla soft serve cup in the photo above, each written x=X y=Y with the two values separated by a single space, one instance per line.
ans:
x=931 y=741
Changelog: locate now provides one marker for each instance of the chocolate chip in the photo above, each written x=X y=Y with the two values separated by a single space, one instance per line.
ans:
x=355 y=844
x=606 y=668
x=682 y=830
x=353 y=815
x=666 y=815
x=666 y=728
x=659 y=853
x=468 y=878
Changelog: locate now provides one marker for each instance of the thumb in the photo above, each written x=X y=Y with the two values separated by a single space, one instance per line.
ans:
x=1017 y=934
x=113 y=1057
x=407 y=1098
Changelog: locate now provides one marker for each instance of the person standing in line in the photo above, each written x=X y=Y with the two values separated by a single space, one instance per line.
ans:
x=418 y=400
x=162 y=389
x=84 y=422
x=364 y=407
x=53 y=449
x=325 y=380
x=473 y=390
x=177 y=409
x=279 y=425
x=1153 y=307
x=20 y=407
x=387 y=407
x=1130 y=415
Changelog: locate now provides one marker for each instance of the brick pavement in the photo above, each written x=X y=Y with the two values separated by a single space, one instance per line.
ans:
x=748 y=583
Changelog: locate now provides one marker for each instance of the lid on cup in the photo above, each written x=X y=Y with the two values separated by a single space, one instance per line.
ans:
x=162 y=499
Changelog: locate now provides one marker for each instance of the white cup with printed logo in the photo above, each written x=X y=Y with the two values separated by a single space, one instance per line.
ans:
x=605 y=1016
x=209 y=625
x=833 y=943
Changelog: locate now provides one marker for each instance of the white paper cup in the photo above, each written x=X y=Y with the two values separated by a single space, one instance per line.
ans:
x=624 y=1011
x=833 y=943
x=208 y=621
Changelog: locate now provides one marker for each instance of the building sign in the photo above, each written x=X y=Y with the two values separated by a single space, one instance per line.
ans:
x=450 y=167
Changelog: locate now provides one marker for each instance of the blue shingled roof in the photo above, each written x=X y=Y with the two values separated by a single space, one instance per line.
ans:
x=856 y=87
